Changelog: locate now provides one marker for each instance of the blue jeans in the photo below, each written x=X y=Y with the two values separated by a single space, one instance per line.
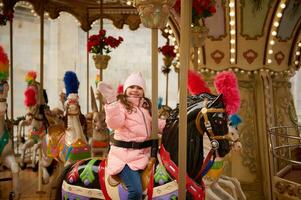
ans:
x=132 y=181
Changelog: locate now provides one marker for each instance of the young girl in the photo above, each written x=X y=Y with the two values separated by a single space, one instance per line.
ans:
x=129 y=115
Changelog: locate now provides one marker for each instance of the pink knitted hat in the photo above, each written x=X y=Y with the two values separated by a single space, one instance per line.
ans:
x=134 y=79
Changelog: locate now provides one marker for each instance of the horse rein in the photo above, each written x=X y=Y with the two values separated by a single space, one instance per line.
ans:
x=213 y=138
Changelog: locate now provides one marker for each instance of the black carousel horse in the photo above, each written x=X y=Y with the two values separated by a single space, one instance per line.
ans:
x=201 y=108
x=206 y=114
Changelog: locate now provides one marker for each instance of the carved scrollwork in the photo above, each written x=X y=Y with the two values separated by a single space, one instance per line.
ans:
x=247 y=133
x=280 y=187
x=287 y=188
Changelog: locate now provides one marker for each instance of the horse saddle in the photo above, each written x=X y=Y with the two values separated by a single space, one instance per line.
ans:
x=55 y=133
x=115 y=180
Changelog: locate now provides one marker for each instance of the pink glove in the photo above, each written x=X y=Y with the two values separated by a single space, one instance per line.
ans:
x=107 y=92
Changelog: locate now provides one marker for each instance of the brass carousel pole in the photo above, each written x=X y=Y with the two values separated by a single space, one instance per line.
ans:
x=11 y=74
x=88 y=71
x=196 y=58
x=184 y=63
x=100 y=28
x=88 y=67
x=154 y=40
x=42 y=87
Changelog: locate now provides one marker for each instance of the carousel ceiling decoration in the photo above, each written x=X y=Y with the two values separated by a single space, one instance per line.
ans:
x=85 y=11
x=247 y=35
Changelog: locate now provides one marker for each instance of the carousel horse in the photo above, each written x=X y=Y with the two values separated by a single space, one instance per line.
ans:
x=7 y=157
x=218 y=186
x=69 y=144
x=35 y=120
x=207 y=114
x=99 y=141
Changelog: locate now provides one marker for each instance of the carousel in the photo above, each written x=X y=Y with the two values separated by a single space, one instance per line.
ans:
x=219 y=77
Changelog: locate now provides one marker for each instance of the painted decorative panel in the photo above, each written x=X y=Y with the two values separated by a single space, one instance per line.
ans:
x=288 y=21
x=253 y=21
x=216 y=23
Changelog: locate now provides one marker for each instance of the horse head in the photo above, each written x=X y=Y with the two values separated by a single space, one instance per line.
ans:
x=207 y=114
x=72 y=105
x=212 y=119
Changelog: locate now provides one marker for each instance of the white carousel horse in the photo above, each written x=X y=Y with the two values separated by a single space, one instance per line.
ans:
x=100 y=133
x=70 y=144
x=35 y=119
x=221 y=187
x=6 y=149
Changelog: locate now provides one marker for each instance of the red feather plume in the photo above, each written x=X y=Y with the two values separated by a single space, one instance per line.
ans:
x=196 y=84
x=30 y=96
x=120 y=89
x=226 y=84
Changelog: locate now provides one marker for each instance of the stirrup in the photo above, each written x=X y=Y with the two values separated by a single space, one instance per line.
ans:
x=113 y=180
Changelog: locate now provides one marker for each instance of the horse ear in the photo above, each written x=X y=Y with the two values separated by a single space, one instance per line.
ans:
x=218 y=98
x=93 y=101
x=226 y=84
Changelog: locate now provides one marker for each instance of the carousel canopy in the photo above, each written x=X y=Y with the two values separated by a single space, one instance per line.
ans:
x=244 y=35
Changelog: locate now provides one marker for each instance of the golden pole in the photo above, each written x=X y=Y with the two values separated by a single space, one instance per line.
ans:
x=100 y=28
x=88 y=71
x=41 y=88
x=166 y=90
x=11 y=74
x=184 y=63
x=196 y=58
x=154 y=83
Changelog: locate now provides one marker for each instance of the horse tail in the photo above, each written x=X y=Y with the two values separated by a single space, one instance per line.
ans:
x=58 y=194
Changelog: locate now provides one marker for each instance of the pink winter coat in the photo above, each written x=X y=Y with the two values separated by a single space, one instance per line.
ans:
x=135 y=126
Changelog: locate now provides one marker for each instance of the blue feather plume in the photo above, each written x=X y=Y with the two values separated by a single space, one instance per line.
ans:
x=235 y=120
x=71 y=82
x=160 y=102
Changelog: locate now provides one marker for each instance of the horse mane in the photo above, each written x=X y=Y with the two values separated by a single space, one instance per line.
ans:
x=191 y=101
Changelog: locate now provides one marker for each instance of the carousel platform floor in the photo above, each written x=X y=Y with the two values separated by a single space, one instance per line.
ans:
x=28 y=186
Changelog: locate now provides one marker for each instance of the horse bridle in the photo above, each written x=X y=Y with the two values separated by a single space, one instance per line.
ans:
x=33 y=115
x=203 y=113
x=67 y=107
x=213 y=138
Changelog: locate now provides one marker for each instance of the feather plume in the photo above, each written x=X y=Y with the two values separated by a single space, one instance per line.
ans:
x=160 y=102
x=71 y=83
x=235 y=120
x=226 y=84
x=30 y=96
x=196 y=84
x=120 y=89
x=4 y=65
x=30 y=77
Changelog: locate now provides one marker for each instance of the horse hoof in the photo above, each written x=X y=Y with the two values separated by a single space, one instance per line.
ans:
x=22 y=165
x=12 y=196
x=35 y=167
